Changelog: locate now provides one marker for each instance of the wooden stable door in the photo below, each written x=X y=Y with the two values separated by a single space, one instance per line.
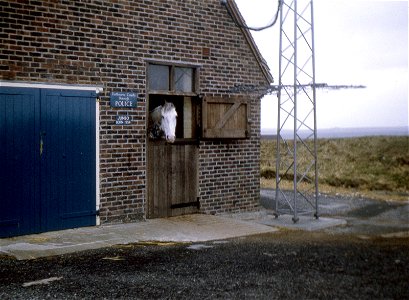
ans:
x=172 y=179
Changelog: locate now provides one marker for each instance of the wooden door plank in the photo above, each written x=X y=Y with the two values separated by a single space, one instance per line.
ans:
x=149 y=170
x=166 y=176
x=172 y=179
x=225 y=117
x=222 y=121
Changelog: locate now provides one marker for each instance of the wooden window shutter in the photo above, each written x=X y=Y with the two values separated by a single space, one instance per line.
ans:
x=225 y=118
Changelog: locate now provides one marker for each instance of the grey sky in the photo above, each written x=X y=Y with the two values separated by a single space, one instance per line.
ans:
x=356 y=42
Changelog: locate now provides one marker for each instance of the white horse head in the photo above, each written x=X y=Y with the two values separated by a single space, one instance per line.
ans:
x=168 y=121
x=164 y=122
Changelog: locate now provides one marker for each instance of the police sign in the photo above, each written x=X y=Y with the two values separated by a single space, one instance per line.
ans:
x=123 y=99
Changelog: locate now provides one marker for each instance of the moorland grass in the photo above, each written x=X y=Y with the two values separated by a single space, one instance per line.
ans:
x=366 y=165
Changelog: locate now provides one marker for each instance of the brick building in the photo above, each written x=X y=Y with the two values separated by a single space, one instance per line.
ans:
x=61 y=64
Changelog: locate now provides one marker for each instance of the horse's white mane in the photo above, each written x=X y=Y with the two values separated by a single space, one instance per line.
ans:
x=167 y=107
x=156 y=114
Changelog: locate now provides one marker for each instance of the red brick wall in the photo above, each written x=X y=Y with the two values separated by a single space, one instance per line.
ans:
x=107 y=43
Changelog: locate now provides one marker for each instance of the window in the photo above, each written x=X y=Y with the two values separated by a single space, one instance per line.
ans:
x=158 y=77
x=171 y=79
x=183 y=79
x=177 y=84
x=208 y=118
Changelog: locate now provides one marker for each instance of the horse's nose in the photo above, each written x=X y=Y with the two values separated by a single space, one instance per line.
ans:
x=170 y=139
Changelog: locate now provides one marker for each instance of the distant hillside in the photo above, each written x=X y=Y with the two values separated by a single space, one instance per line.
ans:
x=344 y=132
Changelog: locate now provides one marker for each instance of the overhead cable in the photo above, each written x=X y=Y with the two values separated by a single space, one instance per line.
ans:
x=240 y=24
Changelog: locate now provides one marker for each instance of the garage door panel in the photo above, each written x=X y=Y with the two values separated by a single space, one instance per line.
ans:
x=70 y=161
x=19 y=172
x=47 y=166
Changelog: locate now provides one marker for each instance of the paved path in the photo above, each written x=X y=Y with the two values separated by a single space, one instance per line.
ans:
x=190 y=228
x=338 y=215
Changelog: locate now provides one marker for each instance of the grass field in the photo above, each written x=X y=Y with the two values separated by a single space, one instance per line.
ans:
x=375 y=167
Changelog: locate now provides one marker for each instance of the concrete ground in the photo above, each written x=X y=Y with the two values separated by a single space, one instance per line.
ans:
x=337 y=215
x=189 y=228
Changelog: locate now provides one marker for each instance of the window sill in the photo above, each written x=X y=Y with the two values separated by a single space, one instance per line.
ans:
x=178 y=141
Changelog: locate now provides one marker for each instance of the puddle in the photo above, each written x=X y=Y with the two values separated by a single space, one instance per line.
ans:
x=370 y=210
x=199 y=247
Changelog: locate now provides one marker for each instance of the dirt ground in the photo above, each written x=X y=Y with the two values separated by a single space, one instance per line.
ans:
x=282 y=265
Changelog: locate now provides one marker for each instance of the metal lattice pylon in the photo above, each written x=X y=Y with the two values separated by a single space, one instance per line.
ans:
x=296 y=156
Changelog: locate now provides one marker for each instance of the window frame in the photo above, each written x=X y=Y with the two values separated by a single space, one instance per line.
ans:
x=194 y=94
x=172 y=91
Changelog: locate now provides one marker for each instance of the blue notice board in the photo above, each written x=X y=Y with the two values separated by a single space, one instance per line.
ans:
x=123 y=99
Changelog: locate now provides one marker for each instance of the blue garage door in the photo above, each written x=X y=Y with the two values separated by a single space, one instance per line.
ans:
x=47 y=160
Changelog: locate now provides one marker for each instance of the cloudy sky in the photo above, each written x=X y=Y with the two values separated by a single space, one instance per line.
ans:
x=358 y=42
